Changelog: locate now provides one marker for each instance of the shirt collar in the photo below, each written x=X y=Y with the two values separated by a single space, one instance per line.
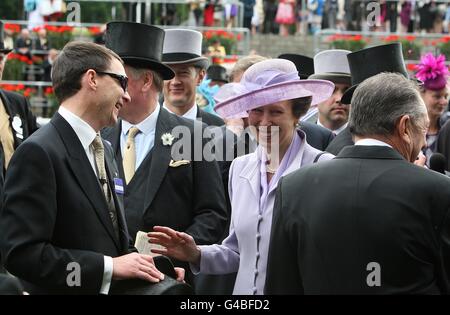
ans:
x=190 y=114
x=147 y=126
x=370 y=141
x=337 y=131
x=84 y=131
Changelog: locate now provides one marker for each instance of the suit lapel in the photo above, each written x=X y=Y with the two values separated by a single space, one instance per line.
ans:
x=251 y=173
x=82 y=170
x=112 y=175
x=113 y=136
x=12 y=113
x=160 y=159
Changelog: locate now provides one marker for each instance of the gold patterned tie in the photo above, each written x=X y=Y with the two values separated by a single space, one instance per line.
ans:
x=99 y=154
x=6 y=135
x=129 y=155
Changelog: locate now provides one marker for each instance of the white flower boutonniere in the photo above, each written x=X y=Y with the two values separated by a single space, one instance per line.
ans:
x=167 y=139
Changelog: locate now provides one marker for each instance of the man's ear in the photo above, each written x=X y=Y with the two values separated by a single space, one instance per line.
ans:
x=90 y=77
x=201 y=76
x=404 y=129
x=148 y=81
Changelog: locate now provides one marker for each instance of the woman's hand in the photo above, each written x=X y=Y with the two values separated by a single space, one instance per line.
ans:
x=178 y=245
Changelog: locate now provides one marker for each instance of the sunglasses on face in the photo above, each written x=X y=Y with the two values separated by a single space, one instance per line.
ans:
x=123 y=80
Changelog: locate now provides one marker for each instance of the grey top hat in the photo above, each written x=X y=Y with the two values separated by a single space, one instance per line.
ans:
x=138 y=45
x=3 y=50
x=183 y=47
x=332 y=65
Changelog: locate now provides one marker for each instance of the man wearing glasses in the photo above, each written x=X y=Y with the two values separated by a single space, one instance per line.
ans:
x=63 y=228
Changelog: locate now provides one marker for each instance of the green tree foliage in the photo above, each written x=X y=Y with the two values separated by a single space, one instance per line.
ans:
x=11 y=9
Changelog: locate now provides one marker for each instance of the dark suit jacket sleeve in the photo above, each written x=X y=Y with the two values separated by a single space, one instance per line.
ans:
x=31 y=119
x=210 y=214
x=443 y=146
x=27 y=223
x=283 y=273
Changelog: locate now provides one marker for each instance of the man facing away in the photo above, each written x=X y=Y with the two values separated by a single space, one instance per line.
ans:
x=381 y=224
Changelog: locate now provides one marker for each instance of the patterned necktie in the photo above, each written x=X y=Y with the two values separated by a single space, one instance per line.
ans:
x=129 y=155
x=6 y=135
x=99 y=154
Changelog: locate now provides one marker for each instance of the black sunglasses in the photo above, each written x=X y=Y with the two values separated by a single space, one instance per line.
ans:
x=123 y=80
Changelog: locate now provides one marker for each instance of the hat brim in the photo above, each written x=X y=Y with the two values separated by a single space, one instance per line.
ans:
x=165 y=71
x=348 y=94
x=5 y=51
x=319 y=90
x=201 y=62
x=333 y=77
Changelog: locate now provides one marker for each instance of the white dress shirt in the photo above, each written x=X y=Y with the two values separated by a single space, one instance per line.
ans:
x=145 y=139
x=370 y=141
x=190 y=114
x=337 y=131
x=86 y=134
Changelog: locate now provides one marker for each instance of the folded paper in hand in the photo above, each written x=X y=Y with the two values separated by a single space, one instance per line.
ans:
x=143 y=246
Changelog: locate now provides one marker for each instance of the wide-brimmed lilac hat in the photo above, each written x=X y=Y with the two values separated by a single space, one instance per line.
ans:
x=268 y=82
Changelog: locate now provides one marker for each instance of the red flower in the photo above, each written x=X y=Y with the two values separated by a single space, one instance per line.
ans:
x=15 y=28
x=94 y=30
x=391 y=38
x=410 y=38
x=411 y=67
x=445 y=39
x=48 y=90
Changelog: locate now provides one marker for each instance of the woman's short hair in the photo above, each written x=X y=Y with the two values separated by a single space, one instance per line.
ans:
x=300 y=106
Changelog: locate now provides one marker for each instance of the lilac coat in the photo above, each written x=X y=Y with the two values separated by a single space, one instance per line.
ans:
x=245 y=250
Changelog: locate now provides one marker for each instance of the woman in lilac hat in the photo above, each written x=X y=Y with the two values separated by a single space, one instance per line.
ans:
x=433 y=72
x=273 y=97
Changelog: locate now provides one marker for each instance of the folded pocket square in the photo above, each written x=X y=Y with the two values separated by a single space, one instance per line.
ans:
x=178 y=163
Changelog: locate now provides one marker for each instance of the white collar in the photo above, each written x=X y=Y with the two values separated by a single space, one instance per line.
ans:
x=370 y=141
x=146 y=126
x=190 y=114
x=84 y=131
x=337 y=131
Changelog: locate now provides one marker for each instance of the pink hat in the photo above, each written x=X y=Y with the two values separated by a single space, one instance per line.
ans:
x=268 y=82
x=433 y=72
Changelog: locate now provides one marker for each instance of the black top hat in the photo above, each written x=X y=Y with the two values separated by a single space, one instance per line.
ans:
x=371 y=61
x=168 y=286
x=304 y=64
x=217 y=73
x=138 y=45
x=3 y=50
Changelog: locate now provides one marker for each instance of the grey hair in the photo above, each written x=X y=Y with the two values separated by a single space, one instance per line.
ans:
x=244 y=63
x=380 y=101
x=158 y=81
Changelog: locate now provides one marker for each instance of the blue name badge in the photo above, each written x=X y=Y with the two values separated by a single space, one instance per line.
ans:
x=118 y=185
